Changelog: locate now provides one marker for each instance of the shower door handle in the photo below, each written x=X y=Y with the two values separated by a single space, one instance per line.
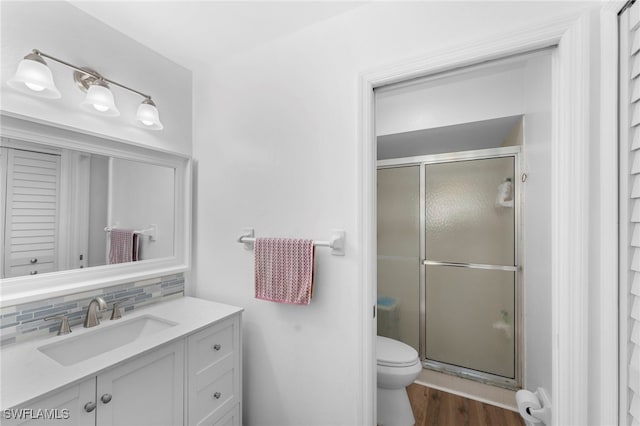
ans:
x=471 y=265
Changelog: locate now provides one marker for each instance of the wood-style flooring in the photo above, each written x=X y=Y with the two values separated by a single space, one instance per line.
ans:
x=432 y=407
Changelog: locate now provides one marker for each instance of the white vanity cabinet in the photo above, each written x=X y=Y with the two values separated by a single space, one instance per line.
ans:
x=192 y=378
x=148 y=390
x=213 y=380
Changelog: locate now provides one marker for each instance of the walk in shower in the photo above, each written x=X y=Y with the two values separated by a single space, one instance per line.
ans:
x=448 y=260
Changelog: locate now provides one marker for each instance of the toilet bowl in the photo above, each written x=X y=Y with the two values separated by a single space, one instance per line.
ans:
x=398 y=366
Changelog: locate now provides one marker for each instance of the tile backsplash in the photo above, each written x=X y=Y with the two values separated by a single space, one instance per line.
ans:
x=26 y=321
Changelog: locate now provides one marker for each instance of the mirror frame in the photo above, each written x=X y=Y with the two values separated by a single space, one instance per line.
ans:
x=29 y=288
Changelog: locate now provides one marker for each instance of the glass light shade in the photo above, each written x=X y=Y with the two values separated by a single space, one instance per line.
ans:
x=99 y=100
x=147 y=115
x=34 y=78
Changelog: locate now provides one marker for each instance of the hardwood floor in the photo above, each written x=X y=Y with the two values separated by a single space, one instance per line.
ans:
x=432 y=407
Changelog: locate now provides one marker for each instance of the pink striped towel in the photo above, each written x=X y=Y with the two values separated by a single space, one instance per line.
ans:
x=122 y=246
x=284 y=270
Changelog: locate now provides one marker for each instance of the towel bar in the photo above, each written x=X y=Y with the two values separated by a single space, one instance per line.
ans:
x=151 y=231
x=336 y=243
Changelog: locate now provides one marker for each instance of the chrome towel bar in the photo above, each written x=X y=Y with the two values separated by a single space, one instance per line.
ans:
x=336 y=243
x=151 y=231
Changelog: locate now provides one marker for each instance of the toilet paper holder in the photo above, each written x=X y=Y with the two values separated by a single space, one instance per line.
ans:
x=534 y=407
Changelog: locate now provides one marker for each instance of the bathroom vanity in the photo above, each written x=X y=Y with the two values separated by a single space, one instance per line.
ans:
x=171 y=363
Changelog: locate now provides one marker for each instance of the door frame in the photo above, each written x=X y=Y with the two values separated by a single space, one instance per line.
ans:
x=579 y=323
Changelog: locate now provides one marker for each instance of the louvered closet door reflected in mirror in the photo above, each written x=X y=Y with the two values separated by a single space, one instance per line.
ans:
x=31 y=213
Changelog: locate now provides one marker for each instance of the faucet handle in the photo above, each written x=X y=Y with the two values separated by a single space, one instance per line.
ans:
x=115 y=314
x=64 y=323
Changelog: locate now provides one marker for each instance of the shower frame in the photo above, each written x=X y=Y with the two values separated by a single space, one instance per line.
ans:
x=519 y=177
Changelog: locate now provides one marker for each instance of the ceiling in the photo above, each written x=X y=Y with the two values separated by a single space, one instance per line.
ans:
x=199 y=34
x=202 y=33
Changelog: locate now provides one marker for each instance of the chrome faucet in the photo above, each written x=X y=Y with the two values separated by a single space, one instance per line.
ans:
x=96 y=304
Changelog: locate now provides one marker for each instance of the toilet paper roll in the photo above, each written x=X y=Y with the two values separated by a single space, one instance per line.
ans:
x=527 y=401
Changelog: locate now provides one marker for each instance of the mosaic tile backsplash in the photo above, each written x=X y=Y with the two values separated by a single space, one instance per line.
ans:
x=26 y=321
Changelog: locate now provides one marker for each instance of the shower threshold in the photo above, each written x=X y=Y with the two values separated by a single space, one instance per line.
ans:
x=467 y=373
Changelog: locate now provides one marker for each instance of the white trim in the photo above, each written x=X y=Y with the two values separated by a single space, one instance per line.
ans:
x=3 y=194
x=471 y=53
x=126 y=147
x=26 y=289
x=570 y=225
x=367 y=240
x=570 y=212
x=608 y=226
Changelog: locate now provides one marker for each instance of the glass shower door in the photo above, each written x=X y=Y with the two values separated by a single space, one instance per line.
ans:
x=470 y=266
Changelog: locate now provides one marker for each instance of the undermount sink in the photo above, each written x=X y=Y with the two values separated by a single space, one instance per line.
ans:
x=98 y=340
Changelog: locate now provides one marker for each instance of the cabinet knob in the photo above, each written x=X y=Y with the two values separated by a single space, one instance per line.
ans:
x=34 y=260
x=89 y=406
x=217 y=395
x=106 y=398
x=217 y=347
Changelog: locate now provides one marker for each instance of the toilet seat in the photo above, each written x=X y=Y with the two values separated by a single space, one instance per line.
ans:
x=392 y=353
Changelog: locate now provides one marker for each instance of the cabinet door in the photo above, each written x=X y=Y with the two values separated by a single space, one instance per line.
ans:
x=64 y=407
x=147 y=390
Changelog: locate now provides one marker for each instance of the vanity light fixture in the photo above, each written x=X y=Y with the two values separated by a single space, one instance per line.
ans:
x=34 y=77
x=99 y=98
x=147 y=115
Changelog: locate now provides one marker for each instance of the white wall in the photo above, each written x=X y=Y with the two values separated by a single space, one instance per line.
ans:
x=462 y=98
x=63 y=31
x=98 y=196
x=538 y=258
x=134 y=206
x=275 y=136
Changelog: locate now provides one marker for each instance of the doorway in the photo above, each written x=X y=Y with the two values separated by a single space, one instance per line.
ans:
x=468 y=302
x=571 y=142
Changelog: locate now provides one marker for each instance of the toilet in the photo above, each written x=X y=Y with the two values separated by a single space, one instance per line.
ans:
x=398 y=366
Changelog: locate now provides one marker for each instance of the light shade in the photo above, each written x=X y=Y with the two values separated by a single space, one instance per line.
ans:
x=147 y=115
x=34 y=77
x=99 y=100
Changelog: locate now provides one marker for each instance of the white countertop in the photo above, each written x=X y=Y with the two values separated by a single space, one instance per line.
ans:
x=26 y=373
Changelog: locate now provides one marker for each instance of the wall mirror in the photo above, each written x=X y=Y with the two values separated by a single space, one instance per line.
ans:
x=80 y=211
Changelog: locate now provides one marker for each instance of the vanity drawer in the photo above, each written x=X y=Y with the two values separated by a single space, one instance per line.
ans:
x=232 y=417
x=212 y=345
x=30 y=269
x=31 y=258
x=214 y=397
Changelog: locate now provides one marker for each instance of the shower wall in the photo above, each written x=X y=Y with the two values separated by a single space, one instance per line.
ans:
x=399 y=254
